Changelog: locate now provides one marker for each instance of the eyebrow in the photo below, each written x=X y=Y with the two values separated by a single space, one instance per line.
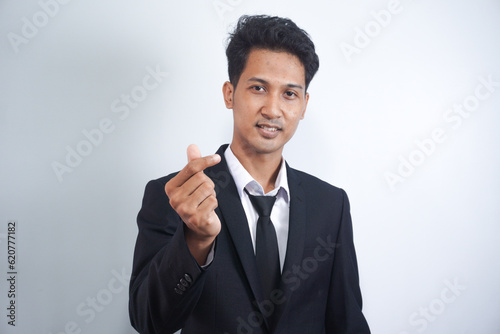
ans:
x=290 y=85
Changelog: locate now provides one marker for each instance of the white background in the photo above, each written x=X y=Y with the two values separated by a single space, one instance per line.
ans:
x=75 y=234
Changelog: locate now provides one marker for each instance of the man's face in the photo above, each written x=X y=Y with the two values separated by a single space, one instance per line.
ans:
x=268 y=102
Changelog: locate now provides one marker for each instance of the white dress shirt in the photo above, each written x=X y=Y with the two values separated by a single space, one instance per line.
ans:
x=281 y=210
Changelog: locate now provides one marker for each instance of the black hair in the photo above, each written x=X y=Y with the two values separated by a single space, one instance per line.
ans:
x=271 y=33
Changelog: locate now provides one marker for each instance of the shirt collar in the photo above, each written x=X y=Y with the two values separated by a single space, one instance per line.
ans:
x=243 y=179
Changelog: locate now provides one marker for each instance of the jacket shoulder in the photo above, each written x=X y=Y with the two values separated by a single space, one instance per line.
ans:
x=164 y=179
x=314 y=184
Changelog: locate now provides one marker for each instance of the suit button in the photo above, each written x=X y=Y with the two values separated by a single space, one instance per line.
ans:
x=184 y=282
x=179 y=292
x=181 y=287
x=188 y=278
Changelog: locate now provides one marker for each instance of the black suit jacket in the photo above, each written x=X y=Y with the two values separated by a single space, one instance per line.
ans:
x=319 y=291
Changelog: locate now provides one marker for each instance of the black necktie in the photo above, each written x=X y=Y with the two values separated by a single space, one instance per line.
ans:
x=266 y=244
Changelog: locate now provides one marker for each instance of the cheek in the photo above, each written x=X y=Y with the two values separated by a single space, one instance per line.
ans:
x=294 y=118
x=292 y=124
x=242 y=120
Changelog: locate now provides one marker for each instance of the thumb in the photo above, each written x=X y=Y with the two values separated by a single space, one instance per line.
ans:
x=193 y=152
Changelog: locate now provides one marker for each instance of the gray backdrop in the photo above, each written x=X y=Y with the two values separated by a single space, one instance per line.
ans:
x=97 y=98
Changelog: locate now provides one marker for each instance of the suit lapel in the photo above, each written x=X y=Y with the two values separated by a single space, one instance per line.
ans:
x=297 y=221
x=296 y=236
x=233 y=215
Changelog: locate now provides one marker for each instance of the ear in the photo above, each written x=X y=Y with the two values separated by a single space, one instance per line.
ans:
x=305 y=106
x=227 y=92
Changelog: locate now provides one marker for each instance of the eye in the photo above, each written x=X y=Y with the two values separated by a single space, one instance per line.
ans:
x=258 y=88
x=290 y=94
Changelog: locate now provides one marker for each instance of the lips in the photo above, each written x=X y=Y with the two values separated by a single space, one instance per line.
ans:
x=268 y=131
x=268 y=128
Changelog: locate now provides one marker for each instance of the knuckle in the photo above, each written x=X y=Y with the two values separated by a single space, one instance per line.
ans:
x=198 y=177
x=174 y=203
x=190 y=168
x=183 y=210
x=206 y=187
x=212 y=201
x=168 y=188
x=207 y=220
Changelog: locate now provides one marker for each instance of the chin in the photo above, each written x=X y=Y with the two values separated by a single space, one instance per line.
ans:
x=268 y=146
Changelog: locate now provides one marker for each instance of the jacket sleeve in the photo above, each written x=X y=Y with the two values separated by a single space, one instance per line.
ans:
x=344 y=309
x=166 y=281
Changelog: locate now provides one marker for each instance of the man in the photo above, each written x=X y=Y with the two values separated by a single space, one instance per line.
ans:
x=209 y=258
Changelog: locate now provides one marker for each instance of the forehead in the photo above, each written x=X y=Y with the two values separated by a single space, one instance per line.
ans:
x=277 y=66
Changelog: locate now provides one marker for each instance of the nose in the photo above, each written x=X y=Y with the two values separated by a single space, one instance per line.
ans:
x=272 y=107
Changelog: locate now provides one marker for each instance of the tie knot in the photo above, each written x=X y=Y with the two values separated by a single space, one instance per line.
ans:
x=262 y=204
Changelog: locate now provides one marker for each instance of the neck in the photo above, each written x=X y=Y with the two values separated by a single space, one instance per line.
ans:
x=264 y=168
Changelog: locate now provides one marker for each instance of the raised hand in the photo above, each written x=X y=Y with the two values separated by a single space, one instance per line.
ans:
x=192 y=196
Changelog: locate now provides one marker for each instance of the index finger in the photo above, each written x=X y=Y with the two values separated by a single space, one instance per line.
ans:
x=193 y=167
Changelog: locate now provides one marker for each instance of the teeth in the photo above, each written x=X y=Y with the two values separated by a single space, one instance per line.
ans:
x=269 y=129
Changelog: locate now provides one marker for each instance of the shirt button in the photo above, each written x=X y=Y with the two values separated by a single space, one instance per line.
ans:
x=184 y=282
x=179 y=292
x=181 y=287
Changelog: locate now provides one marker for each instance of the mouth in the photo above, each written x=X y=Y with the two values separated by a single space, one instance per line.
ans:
x=268 y=131
x=268 y=127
